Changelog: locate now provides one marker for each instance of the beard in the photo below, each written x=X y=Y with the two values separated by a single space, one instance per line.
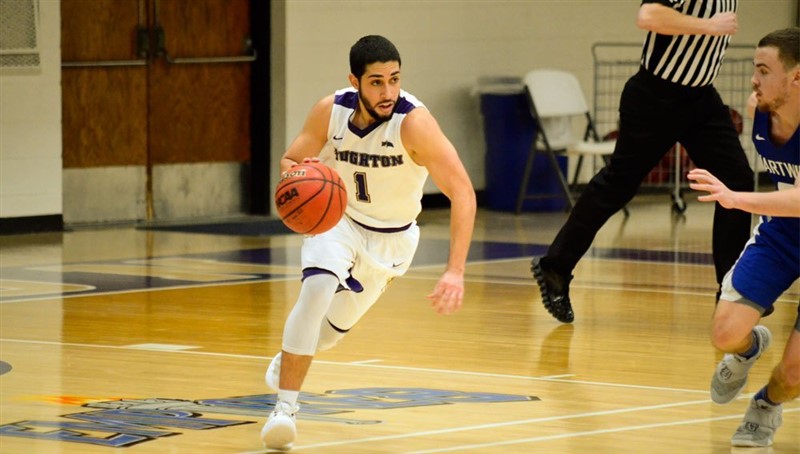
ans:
x=778 y=101
x=371 y=108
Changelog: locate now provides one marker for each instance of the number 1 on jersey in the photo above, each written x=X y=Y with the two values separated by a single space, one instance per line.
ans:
x=362 y=193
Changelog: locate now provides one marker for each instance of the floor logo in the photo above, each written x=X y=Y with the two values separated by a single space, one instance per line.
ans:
x=132 y=421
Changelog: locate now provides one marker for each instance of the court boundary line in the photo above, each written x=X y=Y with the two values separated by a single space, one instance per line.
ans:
x=590 y=432
x=536 y=420
x=359 y=363
x=467 y=373
x=463 y=428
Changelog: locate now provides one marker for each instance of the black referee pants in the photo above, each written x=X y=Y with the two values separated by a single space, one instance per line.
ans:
x=654 y=115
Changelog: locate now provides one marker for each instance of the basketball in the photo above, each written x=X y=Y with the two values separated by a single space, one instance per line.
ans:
x=311 y=198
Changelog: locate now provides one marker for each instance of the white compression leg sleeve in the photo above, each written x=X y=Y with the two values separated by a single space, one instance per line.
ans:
x=328 y=336
x=301 y=332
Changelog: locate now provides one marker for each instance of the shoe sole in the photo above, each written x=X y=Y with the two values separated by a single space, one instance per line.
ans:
x=279 y=437
x=538 y=274
x=749 y=444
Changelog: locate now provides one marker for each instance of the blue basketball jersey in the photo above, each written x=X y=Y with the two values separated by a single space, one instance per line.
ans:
x=770 y=262
x=781 y=162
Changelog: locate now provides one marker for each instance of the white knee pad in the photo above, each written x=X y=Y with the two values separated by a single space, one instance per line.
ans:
x=328 y=336
x=343 y=313
x=302 y=329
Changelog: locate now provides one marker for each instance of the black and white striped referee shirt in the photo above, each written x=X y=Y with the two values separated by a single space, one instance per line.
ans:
x=690 y=60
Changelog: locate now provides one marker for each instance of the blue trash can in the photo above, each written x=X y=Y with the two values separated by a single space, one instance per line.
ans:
x=509 y=131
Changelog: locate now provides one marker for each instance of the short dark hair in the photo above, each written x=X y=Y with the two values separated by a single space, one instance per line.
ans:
x=370 y=49
x=787 y=41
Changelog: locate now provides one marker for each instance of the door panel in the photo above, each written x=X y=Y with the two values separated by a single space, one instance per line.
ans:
x=104 y=107
x=99 y=29
x=135 y=93
x=200 y=112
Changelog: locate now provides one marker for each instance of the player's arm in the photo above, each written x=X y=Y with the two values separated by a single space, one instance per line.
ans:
x=312 y=137
x=785 y=202
x=664 y=20
x=429 y=147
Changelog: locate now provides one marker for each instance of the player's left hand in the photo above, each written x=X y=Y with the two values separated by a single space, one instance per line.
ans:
x=448 y=294
x=305 y=161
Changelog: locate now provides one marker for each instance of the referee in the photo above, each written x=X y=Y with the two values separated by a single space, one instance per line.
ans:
x=671 y=99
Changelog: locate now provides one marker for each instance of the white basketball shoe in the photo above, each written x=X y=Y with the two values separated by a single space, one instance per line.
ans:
x=280 y=429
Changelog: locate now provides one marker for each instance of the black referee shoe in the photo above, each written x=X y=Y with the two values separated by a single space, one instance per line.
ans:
x=555 y=291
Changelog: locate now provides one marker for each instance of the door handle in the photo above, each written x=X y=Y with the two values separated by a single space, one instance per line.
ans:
x=162 y=52
x=102 y=63
x=142 y=49
x=203 y=60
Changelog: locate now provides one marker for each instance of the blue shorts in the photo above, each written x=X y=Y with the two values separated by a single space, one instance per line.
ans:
x=770 y=262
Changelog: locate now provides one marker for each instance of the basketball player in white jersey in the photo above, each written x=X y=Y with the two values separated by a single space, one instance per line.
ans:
x=770 y=262
x=384 y=143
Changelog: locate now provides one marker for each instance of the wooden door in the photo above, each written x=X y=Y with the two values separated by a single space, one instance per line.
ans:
x=200 y=87
x=150 y=82
x=103 y=83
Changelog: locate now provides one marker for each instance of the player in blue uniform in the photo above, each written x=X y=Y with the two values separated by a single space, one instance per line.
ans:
x=770 y=262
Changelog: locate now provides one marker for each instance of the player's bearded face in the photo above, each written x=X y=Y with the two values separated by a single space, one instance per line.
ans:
x=779 y=100
x=770 y=80
x=379 y=89
x=379 y=109
x=769 y=99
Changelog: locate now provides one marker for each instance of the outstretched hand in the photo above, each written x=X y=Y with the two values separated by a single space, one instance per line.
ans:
x=703 y=180
x=448 y=294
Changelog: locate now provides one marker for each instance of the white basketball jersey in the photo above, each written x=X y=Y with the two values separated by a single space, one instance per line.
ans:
x=384 y=185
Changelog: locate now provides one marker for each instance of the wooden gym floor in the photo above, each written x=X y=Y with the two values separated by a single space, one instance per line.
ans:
x=158 y=341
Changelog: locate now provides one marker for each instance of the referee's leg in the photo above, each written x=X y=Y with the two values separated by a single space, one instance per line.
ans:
x=645 y=136
x=714 y=145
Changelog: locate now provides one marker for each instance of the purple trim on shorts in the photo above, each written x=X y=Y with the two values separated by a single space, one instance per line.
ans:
x=352 y=282
x=354 y=285
x=308 y=272
x=383 y=229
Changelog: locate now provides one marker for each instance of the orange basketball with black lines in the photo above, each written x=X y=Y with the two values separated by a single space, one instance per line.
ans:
x=311 y=198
